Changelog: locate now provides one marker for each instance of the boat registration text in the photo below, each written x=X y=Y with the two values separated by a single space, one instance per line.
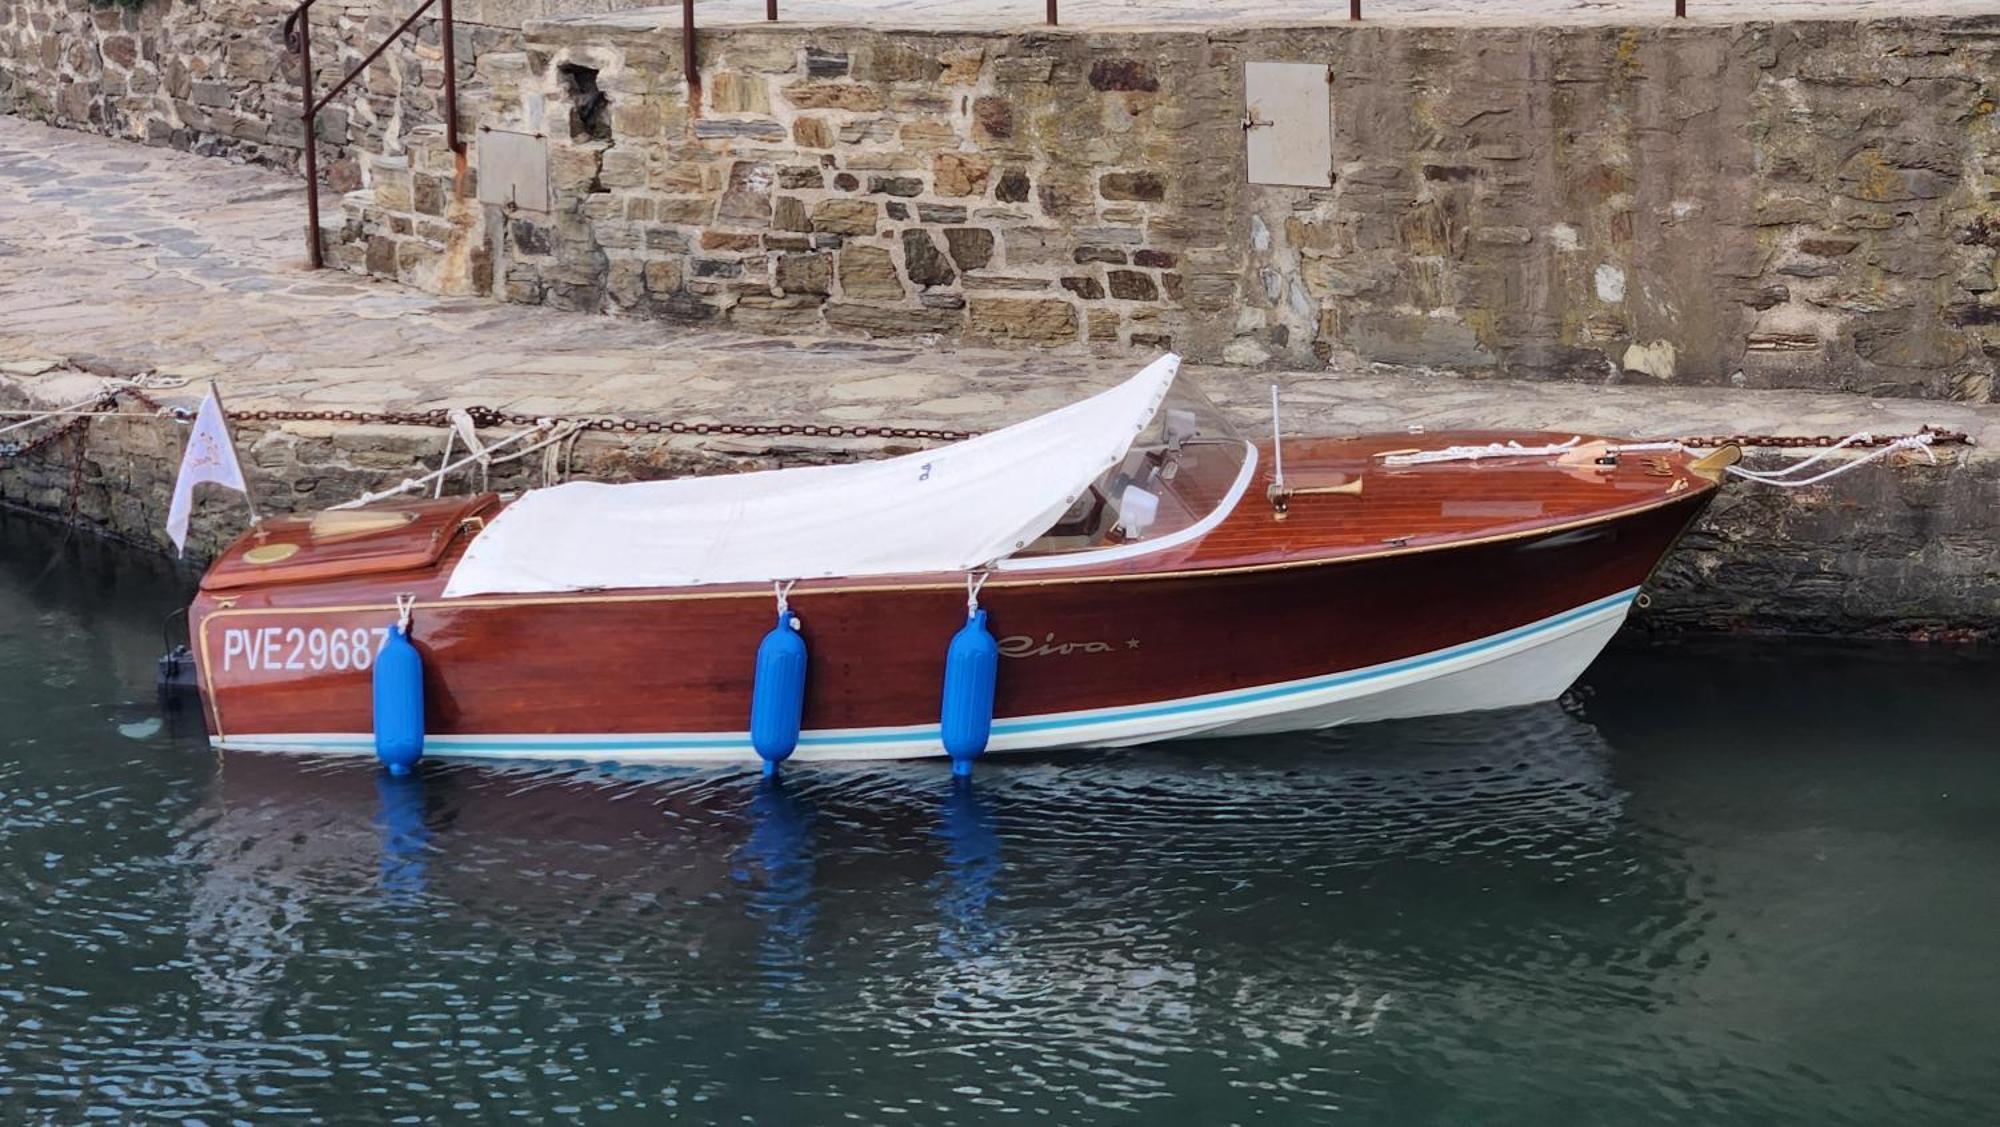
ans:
x=274 y=648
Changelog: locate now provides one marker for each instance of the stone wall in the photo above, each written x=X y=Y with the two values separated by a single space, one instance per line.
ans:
x=215 y=77
x=1761 y=560
x=1809 y=204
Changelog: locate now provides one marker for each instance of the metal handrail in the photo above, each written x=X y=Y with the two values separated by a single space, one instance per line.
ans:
x=771 y=14
x=298 y=37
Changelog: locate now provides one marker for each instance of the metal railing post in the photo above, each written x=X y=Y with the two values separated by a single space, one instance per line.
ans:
x=771 y=10
x=308 y=114
x=1052 y=14
x=450 y=79
x=1680 y=9
x=687 y=48
x=1353 y=9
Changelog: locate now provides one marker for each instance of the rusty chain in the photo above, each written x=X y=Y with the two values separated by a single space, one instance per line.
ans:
x=488 y=417
x=1939 y=437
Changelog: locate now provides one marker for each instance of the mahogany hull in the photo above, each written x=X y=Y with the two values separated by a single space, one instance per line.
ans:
x=1211 y=639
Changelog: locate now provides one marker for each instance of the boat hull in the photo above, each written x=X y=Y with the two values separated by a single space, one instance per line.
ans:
x=1532 y=664
x=1088 y=661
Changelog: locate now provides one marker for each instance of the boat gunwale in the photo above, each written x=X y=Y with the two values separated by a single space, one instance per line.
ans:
x=226 y=607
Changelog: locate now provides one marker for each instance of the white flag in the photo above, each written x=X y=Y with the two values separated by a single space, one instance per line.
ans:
x=210 y=456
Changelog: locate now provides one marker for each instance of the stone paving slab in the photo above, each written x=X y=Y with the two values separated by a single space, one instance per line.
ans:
x=1082 y=14
x=131 y=258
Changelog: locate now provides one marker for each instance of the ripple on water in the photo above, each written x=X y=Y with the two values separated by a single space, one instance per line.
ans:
x=1543 y=915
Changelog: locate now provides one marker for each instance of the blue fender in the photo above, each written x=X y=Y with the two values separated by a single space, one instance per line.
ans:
x=778 y=695
x=971 y=670
x=399 y=703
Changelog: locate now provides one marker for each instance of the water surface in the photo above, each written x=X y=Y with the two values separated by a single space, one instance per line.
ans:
x=1720 y=884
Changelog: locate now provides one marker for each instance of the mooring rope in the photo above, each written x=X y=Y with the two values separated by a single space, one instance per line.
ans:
x=1784 y=478
x=561 y=431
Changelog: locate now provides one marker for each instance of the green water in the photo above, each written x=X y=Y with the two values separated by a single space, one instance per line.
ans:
x=1728 y=884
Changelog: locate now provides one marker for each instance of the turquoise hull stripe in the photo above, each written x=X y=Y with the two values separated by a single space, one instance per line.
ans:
x=448 y=745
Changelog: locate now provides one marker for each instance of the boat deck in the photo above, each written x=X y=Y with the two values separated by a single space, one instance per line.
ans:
x=1397 y=510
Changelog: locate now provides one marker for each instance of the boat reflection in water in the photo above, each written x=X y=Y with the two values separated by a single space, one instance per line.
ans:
x=1089 y=892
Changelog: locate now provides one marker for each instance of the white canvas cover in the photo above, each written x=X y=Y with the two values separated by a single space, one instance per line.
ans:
x=950 y=509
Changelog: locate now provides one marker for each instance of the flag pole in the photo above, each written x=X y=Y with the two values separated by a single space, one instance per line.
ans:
x=249 y=498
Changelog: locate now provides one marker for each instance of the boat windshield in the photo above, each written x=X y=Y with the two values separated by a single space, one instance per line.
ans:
x=1182 y=469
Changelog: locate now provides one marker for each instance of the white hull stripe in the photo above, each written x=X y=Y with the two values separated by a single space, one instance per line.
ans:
x=1018 y=733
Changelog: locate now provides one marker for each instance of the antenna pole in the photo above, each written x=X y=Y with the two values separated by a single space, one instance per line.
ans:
x=1277 y=442
x=1279 y=496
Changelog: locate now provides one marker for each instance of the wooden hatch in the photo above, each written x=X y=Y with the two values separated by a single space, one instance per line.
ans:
x=341 y=543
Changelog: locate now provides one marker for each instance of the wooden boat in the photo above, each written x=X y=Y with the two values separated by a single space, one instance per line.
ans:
x=1193 y=588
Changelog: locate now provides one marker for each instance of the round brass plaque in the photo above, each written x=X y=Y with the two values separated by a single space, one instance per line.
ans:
x=270 y=553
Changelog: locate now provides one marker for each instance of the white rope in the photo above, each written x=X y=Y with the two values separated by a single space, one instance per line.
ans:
x=64 y=412
x=95 y=405
x=1795 y=467
x=1475 y=453
x=450 y=435
x=405 y=606
x=410 y=484
x=1782 y=480
x=975 y=581
x=784 y=592
x=1786 y=478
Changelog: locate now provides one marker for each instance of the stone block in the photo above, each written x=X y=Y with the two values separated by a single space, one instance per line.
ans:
x=869 y=273
x=971 y=247
x=846 y=217
x=925 y=134
x=788 y=213
x=748 y=196
x=622 y=167
x=800 y=176
x=715 y=268
x=1132 y=285
x=790 y=314
x=961 y=66
x=1023 y=70
x=868 y=131
x=887 y=60
x=992 y=118
x=737 y=241
x=961 y=174
x=833 y=96
x=812 y=133
x=903 y=186
x=731 y=92
x=822 y=62
x=891 y=321
x=1085 y=287
x=924 y=262
x=431 y=194
x=805 y=273
x=1013 y=186
x=1148 y=187
x=728 y=129
x=1043 y=322
x=663 y=275
x=1134 y=75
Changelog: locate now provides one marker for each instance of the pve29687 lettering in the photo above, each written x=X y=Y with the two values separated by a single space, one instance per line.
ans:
x=281 y=648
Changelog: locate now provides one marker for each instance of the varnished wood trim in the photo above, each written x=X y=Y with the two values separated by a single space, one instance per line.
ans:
x=600 y=597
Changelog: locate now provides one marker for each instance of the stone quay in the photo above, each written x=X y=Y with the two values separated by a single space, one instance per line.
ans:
x=1770 y=220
